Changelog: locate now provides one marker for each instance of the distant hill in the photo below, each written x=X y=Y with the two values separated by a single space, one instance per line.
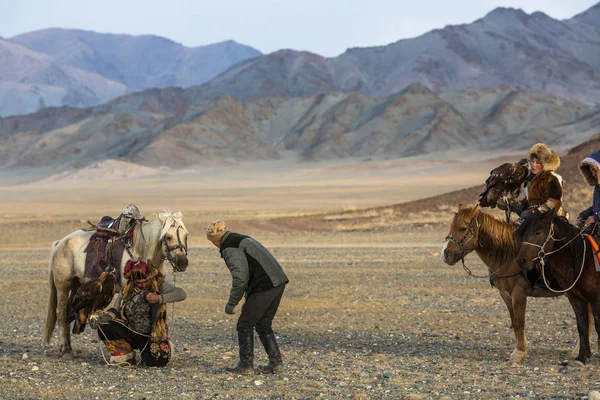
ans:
x=30 y=81
x=437 y=211
x=56 y=67
x=139 y=62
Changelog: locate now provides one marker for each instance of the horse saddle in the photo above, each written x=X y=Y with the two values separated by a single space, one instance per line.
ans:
x=596 y=248
x=104 y=248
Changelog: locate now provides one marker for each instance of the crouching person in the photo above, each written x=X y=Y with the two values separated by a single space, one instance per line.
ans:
x=257 y=275
x=138 y=320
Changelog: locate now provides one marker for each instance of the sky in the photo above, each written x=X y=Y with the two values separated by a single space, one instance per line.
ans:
x=324 y=27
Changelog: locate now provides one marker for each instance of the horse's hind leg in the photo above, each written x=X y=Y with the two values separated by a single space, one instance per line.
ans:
x=580 y=307
x=592 y=325
x=61 y=319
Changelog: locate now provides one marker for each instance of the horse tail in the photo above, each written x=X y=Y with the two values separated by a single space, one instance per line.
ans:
x=51 y=316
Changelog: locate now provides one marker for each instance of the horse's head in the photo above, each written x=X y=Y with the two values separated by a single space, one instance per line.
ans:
x=536 y=234
x=173 y=237
x=462 y=238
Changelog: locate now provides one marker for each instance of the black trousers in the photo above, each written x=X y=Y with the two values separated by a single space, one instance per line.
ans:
x=114 y=330
x=259 y=310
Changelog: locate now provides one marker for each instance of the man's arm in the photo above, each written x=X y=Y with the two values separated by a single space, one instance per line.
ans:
x=238 y=267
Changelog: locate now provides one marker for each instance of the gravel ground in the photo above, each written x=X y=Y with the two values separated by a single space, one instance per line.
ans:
x=365 y=320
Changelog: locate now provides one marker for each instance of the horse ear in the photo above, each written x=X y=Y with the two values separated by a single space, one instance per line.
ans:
x=178 y=215
x=460 y=206
x=161 y=217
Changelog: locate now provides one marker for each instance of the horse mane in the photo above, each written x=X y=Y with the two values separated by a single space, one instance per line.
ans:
x=495 y=236
x=147 y=236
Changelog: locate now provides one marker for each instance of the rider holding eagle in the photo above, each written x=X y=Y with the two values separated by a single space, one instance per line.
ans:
x=543 y=187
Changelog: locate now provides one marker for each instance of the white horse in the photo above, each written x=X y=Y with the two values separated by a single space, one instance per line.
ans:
x=165 y=238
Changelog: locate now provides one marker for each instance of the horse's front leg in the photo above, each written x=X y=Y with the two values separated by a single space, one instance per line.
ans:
x=580 y=307
x=61 y=320
x=516 y=304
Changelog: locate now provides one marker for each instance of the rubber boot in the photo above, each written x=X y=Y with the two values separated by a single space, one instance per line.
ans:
x=275 y=363
x=246 y=364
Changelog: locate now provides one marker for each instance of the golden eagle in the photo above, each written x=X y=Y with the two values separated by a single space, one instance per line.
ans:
x=90 y=297
x=504 y=181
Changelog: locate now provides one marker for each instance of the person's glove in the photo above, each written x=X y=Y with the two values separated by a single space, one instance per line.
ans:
x=99 y=318
x=502 y=204
x=229 y=309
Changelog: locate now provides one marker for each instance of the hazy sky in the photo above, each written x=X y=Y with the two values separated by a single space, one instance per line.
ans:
x=325 y=27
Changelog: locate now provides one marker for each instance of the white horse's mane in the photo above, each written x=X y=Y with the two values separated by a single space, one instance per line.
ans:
x=147 y=238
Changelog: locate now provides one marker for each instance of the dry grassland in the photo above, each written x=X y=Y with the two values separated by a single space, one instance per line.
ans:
x=368 y=314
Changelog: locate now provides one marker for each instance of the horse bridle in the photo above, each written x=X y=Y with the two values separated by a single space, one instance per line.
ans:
x=179 y=245
x=461 y=243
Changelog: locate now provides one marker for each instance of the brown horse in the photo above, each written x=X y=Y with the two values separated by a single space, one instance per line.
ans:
x=492 y=240
x=567 y=266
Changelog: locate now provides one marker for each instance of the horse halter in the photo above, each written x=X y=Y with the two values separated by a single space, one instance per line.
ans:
x=179 y=245
x=461 y=243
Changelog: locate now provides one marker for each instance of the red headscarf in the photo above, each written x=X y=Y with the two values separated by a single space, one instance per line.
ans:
x=135 y=270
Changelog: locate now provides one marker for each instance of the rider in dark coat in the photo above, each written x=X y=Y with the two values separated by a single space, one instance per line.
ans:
x=543 y=187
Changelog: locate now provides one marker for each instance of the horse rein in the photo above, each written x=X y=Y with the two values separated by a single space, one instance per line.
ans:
x=542 y=255
x=461 y=243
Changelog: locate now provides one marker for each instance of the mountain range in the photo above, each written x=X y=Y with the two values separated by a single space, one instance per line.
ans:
x=500 y=83
x=174 y=128
x=506 y=47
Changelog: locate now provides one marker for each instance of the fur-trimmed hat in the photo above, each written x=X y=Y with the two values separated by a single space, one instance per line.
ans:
x=587 y=165
x=545 y=156
x=215 y=230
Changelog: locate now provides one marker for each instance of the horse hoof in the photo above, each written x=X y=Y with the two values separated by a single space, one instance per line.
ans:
x=517 y=356
x=573 y=363
x=66 y=356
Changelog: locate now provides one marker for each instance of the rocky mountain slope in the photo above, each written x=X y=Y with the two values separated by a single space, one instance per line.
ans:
x=506 y=47
x=173 y=128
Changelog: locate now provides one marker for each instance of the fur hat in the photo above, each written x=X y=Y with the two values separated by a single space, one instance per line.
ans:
x=131 y=211
x=587 y=165
x=544 y=155
x=216 y=230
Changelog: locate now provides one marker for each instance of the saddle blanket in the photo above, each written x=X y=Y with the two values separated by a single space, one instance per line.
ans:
x=596 y=250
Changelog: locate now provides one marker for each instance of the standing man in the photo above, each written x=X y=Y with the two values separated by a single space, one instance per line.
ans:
x=256 y=275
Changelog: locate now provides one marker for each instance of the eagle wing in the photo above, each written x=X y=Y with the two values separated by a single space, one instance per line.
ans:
x=504 y=180
x=90 y=297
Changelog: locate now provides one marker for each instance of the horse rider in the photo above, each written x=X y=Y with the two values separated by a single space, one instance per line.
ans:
x=138 y=319
x=257 y=276
x=543 y=190
x=543 y=187
x=590 y=168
